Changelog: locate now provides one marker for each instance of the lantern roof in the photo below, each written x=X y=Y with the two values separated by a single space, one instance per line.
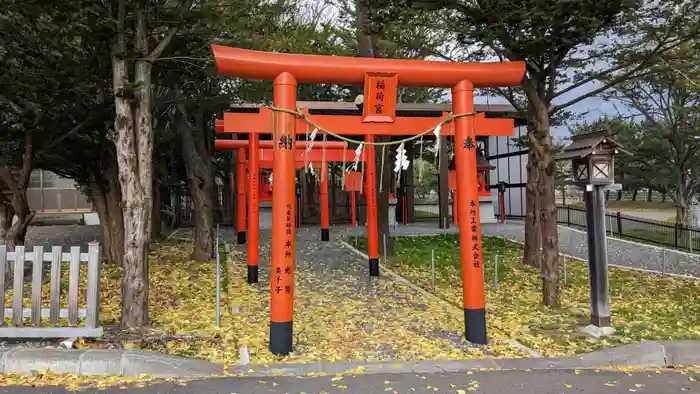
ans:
x=482 y=163
x=596 y=142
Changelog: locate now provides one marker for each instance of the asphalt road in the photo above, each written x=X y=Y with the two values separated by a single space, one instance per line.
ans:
x=501 y=382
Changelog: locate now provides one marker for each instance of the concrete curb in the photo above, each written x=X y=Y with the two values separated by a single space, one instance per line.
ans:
x=649 y=354
x=103 y=362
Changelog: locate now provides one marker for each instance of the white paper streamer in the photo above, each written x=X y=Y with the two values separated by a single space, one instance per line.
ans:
x=436 y=132
x=269 y=179
x=402 y=161
x=312 y=137
x=356 y=160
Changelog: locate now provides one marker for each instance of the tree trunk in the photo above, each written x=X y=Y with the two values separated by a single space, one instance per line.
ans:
x=649 y=191
x=619 y=195
x=367 y=41
x=134 y=147
x=159 y=173
x=550 y=240
x=540 y=144
x=106 y=197
x=532 y=252
x=681 y=201
x=6 y=216
x=634 y=194
x=17 y=233
x=201 y=184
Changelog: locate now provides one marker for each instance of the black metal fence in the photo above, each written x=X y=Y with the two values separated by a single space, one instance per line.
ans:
x=632 y=228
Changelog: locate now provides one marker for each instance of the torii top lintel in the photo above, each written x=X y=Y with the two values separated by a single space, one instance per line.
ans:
x=236 y=62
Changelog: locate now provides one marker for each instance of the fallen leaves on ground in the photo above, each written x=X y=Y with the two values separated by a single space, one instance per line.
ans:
x=644 y=306
x=339 y=317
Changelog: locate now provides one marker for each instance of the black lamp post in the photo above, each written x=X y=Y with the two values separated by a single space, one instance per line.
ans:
x=592 y=158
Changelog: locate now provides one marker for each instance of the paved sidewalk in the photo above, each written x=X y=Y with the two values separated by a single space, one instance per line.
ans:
x=492 y=382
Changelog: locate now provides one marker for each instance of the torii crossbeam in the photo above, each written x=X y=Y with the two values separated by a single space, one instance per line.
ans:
x=381 y=78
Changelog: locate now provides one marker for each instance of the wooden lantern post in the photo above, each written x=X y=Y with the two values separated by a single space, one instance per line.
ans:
x=592 y=157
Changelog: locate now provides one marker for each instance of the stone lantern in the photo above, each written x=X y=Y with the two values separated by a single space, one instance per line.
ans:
x=592 y=158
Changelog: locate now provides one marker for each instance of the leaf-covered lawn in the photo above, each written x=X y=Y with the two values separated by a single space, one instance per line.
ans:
x=644 y=306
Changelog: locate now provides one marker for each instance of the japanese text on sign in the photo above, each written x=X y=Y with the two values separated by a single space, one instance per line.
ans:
x=476 y=247
x=380 y=97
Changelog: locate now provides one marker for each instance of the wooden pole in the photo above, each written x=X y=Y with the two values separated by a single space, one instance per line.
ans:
x=253 y=208
x=455 y=220
x=240 y=195
x=371 y=197
x=353 y=213
x=283 y=206
x=468 y=215
x=597 y=256
x=443 y=190
x=325 y=234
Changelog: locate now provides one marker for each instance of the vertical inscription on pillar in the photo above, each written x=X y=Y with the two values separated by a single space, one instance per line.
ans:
x=476 y=237
x=282 y=280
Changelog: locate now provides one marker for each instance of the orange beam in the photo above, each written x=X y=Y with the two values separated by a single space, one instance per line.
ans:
x=245 y=63
x=237 y=144
x=315 y=156
x=250 y=123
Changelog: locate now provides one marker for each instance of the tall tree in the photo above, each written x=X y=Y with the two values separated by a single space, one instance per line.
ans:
x=666 y=139
x=133 y=55
x=563 y=44
x=41 y=58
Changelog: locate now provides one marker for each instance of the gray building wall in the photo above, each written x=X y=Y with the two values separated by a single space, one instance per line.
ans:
x=49 y=193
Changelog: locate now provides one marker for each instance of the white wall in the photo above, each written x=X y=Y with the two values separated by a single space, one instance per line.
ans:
x=511 y=169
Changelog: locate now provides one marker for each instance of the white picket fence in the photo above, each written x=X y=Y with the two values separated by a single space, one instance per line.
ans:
x=37 y=257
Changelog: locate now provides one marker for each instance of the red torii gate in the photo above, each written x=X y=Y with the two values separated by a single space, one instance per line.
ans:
x=380 y=78
x=327 y=151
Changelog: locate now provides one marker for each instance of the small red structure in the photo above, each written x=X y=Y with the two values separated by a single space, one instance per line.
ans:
x=482 y=168
x=380 y=78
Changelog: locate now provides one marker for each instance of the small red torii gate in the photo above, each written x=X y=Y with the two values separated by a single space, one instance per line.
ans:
x=381 y=78
x=327 y=151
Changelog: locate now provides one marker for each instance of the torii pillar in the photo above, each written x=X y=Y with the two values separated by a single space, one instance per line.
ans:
x=380 y=77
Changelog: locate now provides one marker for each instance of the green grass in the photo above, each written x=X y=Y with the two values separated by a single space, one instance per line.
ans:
x=424 y=214
x=644 y=306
